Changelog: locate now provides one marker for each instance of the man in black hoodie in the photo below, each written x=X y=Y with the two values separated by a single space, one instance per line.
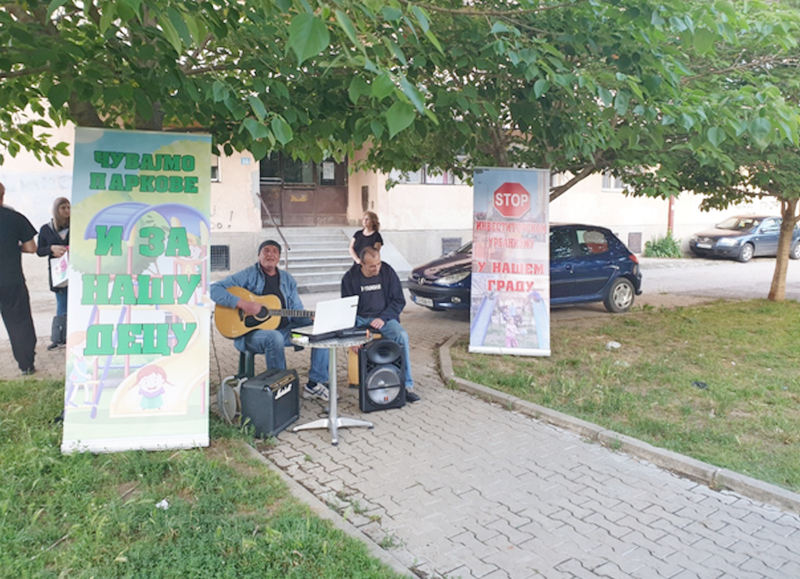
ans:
x=380 y=301
x=16 y=237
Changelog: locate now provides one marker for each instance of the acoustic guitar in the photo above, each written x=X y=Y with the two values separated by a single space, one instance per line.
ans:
x=233 y=322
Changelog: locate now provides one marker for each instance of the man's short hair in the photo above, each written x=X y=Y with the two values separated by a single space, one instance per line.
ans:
x=369 y=250
x=269 y=242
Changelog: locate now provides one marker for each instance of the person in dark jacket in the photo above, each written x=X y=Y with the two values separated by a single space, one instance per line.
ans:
x=380 y=301
x=53 y=243
x=16 y=237
x=369 y=236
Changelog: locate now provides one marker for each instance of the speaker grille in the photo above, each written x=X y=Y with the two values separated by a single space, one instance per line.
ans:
x=381 y=376
x=383 y=385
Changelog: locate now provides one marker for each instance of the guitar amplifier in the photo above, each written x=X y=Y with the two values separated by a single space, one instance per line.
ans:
x=271 y=401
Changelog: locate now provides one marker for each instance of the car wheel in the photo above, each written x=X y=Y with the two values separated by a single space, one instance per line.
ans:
x=620 y=296
x=745 y=253
x=794 y=253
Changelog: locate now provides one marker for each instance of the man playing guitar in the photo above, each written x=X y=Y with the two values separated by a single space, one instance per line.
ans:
x=265 y=279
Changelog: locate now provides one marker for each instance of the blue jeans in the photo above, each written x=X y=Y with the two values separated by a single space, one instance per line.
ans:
x=392 y=330
x=272 y=342
x=61 y=302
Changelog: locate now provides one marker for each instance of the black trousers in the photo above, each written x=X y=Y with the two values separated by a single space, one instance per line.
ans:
x=15 y=307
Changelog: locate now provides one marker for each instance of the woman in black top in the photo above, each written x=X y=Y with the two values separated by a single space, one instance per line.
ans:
x=367 y=237
x=54 y=242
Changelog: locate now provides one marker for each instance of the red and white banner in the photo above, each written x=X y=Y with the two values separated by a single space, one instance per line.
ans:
x=510 y=308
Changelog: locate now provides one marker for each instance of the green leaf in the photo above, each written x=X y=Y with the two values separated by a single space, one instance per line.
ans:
x=382 y=86
x=433 y=40
x=391 y=13
x=716 y=136
x=421 y=17
x=760 y=129
x=107 y=17
x=398 y=53
x=58 y=95
x=308 y=36
x=605 y=95
x=219 y=90
x=170 y=34
x=499 y=27
x=540 y=87
x=258 y=150
x=413 y=94
x=54 y=5
x=621 y=102
x=377 y=128
x=399 y=116
x=283 y=132
x=358 y=88
x=133 y=4
x=704 y=40
x=347 y=25
x=280 y=89
x=179 y=23
x=257 y=130
x=258 y=107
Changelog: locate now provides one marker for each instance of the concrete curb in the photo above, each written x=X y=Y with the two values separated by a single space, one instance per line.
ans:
x=325 y=512
x=708 y=474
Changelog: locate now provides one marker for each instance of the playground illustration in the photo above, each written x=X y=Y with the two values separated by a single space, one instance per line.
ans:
x=140 y=371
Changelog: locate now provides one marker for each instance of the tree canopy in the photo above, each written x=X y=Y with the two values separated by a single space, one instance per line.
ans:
x=577 y=86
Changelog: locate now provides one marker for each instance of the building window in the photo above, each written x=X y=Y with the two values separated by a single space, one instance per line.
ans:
x=220 y=258
x=425 y=176
x=612 y=183
x=275 y=168
x=215 y=169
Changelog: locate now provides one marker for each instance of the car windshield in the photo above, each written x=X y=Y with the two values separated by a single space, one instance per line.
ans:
x=739 y=223
x=466 y=248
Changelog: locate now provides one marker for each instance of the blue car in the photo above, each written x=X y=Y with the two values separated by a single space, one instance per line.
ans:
x=742 y=238
x=587 y=264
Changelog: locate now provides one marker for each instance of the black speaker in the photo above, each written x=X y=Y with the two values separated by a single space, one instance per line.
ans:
x=381 y=376
x=271 y=401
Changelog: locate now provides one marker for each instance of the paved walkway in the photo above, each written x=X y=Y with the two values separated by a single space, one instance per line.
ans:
x=457 y=487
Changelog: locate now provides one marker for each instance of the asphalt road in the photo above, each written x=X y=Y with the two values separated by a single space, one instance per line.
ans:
x=666 y=282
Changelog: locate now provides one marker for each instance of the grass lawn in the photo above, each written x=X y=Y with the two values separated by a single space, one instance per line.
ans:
x=86 y=515
x=719 y=382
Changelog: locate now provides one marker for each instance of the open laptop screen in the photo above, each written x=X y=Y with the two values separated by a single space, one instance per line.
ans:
x=332 y=315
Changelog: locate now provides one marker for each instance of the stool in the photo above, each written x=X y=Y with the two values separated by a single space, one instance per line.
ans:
x=228 y=402
x=353 y=377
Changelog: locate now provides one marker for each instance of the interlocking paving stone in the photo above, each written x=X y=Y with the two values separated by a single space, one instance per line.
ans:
x=468 y=488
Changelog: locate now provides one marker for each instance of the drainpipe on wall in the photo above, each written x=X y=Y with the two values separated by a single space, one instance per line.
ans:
x=671 y=215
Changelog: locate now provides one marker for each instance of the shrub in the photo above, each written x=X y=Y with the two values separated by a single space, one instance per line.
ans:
x=663 y=247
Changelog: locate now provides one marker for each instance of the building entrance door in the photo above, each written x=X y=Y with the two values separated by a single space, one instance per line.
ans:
x=303 y=193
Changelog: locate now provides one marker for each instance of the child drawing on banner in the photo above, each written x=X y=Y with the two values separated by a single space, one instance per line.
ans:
x=78 y=371
x=151 y=381
x=512 y=331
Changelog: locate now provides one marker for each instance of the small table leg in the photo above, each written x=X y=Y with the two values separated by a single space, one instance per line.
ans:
x=334 y=422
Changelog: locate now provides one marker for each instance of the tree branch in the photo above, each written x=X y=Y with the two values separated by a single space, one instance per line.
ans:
x=473 y=12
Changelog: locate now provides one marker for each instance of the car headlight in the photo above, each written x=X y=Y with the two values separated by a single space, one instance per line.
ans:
x=728 y=242
x=452 y=278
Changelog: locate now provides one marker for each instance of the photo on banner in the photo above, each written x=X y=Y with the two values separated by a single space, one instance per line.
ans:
x=510 y=296
x=139 y=313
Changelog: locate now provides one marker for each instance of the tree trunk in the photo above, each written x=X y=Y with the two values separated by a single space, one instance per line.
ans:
x=777 y=291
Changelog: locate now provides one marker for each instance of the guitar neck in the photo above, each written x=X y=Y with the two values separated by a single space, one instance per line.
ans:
x=292 y=313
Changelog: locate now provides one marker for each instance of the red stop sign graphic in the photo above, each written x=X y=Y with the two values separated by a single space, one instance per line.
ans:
x=512 y=200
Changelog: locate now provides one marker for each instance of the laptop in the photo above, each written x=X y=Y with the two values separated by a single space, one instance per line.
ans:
x=331 y=316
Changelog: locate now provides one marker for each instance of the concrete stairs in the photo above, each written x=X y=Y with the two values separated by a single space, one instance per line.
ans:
x=317 y=257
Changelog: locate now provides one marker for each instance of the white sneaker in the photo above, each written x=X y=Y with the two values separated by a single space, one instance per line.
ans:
x=317 y=391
